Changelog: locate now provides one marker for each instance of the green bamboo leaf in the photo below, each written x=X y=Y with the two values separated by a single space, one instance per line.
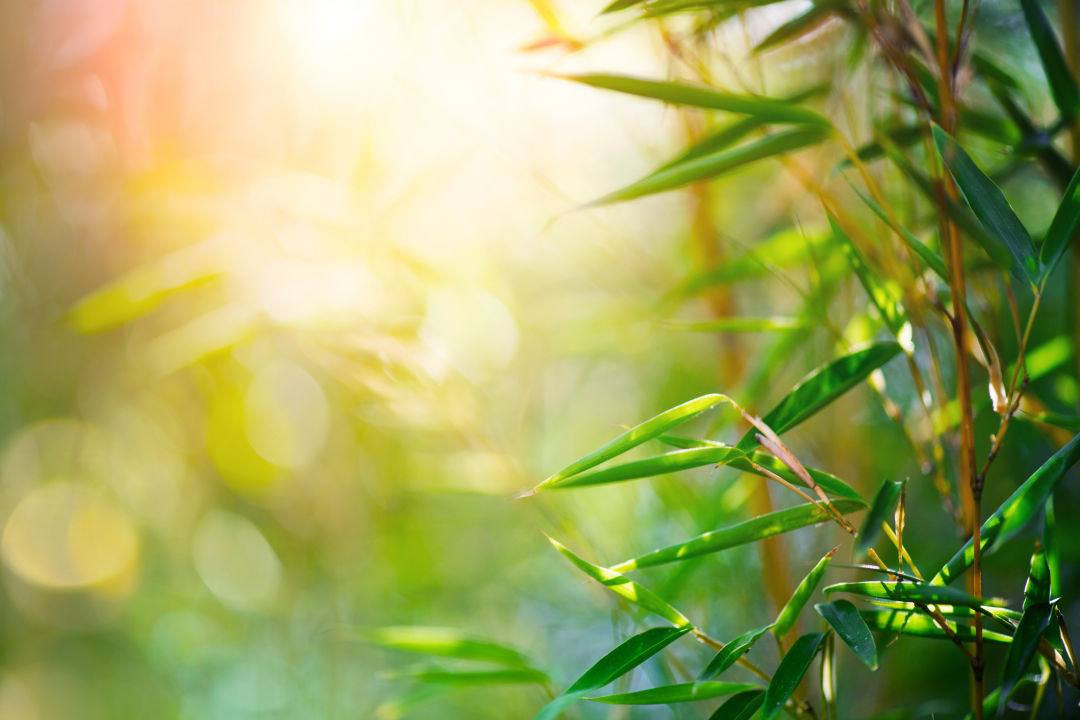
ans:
x=884 y=297
x=819 y=13
x=1025 y=643
x=740 y=707
x=682 y=692
x=612 y=666
x=766 y=109
x=1065 y=422
x=445 y=642
x=989 y=205
x=907 y=592
x=716 y=141
x=884 y=503
x=829 y=483
x=908 y=622
x=620 y=5
x=743 y=325
x=627 y=588
x=1013 y=514
x=704 y=167
x=790 y=673
x=1062 y=85
x=1052 y=543
x=822 y=387
x=440 y=676
x=648 y=467
x=1037 y=588
x=1062 y=228
x=636 y=436
x=844 y=618
x=788 y=248
x=730 y=653
x=930 y=258
x=773 y=523
x=790 y=612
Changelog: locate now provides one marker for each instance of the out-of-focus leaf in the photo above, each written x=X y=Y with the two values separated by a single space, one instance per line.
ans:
x=883 y=296
x=744 y=325
x=1062 y=227
x=930 y=258
x=990 y=206
x=1025 y=643
x=790 y=673
x=1013 y=514
x=648 y=467
x=844 y=618
x=816 y=16
x=636 y=436
x=704 y=167
x=767 y=109
x=1065 y=422
x=880 y=509
x=441 y=676
x=773 y=523
x=620 y=5
x=730 y=653
x=1062 y=85
x=790 y=613
x=612 y=666
x=445 y=642
x=829 y=483
x=787 y=248
x=822 y=387
x=908 y=622
x=908 y=592
x=740 y=707
x=683 y=692
x=627 y=588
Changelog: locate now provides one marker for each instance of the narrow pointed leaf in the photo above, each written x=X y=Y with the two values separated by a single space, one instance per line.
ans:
x=744 y=325
x=1062 y=84
x=1024 y=645
x=612 y=666
x=790 y=673
x=883 y=505
x=627 y=588
x=730 y=653
x=1062 y=228
x=907 y=622
x=441 y=676
x=740 y=707
x=790 y=613
x=683 y=692
x=1013 y=514
x=930 y=258
x=445 y=642
x=844 y=618
x=1052 y=543
x=648 y=467
x=704 y=167
x=674 y=93
x=989 y=205
x=800 y=25
x=908 y=592
x=764 y=526
x=636 y=436
x=1065 y=422
x=822 y=387
x=883 y=296
x=1037 y=588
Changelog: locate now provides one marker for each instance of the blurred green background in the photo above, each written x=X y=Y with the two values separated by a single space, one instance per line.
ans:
x=293 y=309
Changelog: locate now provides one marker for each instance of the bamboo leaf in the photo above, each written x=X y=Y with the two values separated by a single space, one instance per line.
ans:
x=764 y=526
x=882 y=506
x=1052 y=543
x=682 y=692
x=1025 y=643
x=1065 y=422
x=627 y=588
x=612 y=666
x=910 y=622
x=730 y=653
x=790 y=612
x=648 y=467
x=1037 y=588
x=790 y=673
x=800 y=25
x=822 y=387
x=1062 y=85
x=989 y=205
x=1062 y=228
x=441 y=676
x=907 y=592
x=930 y=258
x=881 y=294
x=740 y=707
x=1013 y=514
x=635 y=436
x=445 y=642
x=844 y=618
x=765 y=109
x=704 y=167
x=744 y=325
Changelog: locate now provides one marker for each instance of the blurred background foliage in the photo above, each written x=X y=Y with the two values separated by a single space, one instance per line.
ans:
x=293 y=308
